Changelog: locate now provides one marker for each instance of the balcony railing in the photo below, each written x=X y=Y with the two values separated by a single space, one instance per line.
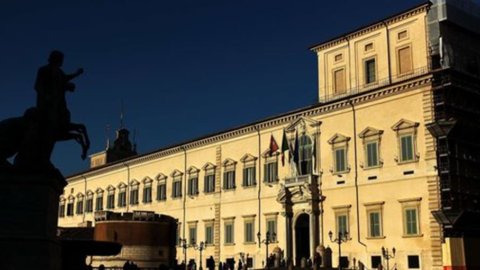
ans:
x=377 y=84
x=298 y=180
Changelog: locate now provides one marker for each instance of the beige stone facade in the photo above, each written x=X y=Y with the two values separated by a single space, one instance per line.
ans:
x=368 y=165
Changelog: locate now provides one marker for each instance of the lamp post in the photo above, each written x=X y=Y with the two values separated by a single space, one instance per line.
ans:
x=183 y=244
x=341 y=238
x=267 y=241
x=200 y=247
x=387 y=256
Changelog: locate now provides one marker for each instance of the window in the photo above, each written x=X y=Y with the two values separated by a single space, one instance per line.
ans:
x=341 y=218
x=122 y=195
x=229 y=232
x=406 y=133
x=193 y=186
x=339 y=82
x=249 y=231
x=405 y=60
x=177 y=177
x=89 y=203
x=271 y=222
x=376 y=261
x=249 y=177
x=305 y=154
x=375 y=229
x=70 y=204
x=406 y=148
x=372 y=154
x=79 y=209
x=209 y=233
x=134 y=193
x=340 y=159
x=161 y=190
x=413 y=262
x=402 y=35
x=147 y=190
x=229 y=180
x=99 y=201
x=249 y=170
x=192 y=182
x=111 y=197
x=192 y=232
x=209 y=179
x=411 y=209
x=369 y=47
x=271 y=172
x=339 y=147
x=374 y=219
x=371 y=140
x=61 y=209
x=370 y=74
x=177 y=187
x=209 y=183
x=342 y=224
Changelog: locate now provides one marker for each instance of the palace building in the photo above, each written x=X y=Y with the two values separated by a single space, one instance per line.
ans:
x=389 y=154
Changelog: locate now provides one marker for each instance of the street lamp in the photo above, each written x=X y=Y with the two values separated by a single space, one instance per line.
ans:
x=387 y=256
x=184 y=246
x=341 y=238
x=267 y=241
x=200 y=248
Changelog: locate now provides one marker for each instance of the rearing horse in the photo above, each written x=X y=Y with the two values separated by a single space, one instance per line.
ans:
x=51 y=85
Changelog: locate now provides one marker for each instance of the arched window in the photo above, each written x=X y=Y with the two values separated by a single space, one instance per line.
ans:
x=305 y=154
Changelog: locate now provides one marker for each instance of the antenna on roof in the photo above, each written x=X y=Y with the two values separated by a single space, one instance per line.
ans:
x=135 y=140
x=121 y=115
x=107 y=135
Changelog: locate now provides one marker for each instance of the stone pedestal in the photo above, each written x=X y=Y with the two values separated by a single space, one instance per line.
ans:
x=28 y=220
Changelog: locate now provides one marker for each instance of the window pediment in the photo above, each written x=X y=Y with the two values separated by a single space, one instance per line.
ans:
x=134 y=183
x=80 y=195
x=248 y=158
x=89 y=193
x=110 y=188
x=208 y=166
x=122 y=185
x=161 y=176
x=71 y=198
x=303 y=124
x=147 y=180
x=266 y=153
x=405 y=124
x=99 y=190
x=370 y=132
x=193 y=170
x=229 y=162
x=338 y=138
x=176 y=173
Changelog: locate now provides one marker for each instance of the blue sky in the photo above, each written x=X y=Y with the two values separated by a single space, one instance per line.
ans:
x=183 y=69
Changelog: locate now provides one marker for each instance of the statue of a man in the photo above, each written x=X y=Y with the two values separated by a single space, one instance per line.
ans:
x=51 y=85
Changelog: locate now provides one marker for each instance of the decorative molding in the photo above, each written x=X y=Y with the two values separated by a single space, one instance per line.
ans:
x=338 y=138
x=176 y=173
x=368 y=29
x=248 y=158
x=369 y=132
x=209 y=166
x=193 y=170
x=229 y=162
x=404 y=124
x=409 y=84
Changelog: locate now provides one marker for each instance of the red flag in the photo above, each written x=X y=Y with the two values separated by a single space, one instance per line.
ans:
x=273 y=145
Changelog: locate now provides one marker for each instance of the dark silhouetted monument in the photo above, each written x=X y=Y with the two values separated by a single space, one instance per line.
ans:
x=30 y=187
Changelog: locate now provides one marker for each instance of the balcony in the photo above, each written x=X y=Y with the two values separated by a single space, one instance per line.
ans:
x=298 y=180
x=380 y=83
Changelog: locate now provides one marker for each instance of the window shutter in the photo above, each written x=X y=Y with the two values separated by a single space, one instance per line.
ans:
x=225 y=180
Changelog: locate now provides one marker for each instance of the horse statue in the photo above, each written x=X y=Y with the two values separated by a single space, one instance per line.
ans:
x=33 y=136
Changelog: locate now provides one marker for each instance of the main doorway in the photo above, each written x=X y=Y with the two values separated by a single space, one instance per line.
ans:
x=302 y=238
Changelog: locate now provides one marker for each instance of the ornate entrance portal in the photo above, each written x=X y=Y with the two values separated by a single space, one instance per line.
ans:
x=302 y=238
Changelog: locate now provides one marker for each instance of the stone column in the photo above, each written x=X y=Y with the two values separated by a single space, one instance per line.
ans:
x=28 y=220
